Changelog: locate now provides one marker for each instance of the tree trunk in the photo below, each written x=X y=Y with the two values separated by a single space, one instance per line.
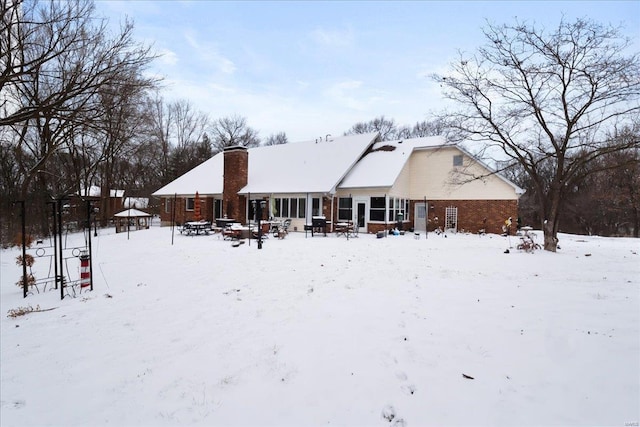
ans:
x=550 y=209
x=550 y=236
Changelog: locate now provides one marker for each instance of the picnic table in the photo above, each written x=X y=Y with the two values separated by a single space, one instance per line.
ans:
x=236 y=231
x=196 y=227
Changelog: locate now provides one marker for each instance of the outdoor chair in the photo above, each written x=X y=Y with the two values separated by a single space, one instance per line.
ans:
x=266 y=228
x=231 y=234
x=347 y=229
x=283 y=230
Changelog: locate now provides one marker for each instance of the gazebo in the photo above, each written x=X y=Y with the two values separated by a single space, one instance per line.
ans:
x=131 y=218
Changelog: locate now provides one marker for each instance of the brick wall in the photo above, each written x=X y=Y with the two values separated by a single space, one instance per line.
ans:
x=182 y=214
x=236 y=171
x=474 y=215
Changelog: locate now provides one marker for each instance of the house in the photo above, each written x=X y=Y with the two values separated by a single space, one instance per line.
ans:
x=103 y=206
x=421 y=182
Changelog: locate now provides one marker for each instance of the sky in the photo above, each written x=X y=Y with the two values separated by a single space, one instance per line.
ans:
x=315 y=68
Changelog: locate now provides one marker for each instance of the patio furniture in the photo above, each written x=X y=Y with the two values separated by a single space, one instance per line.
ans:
x=236 y=231
x=273 y=226
x=283 y=229
x=196 y=227
x=347 y=229
x=232 y=234
x=318 y=225
x=224 y=222
x=266 y=228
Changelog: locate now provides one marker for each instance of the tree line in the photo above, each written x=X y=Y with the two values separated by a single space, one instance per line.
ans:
x=556 y=110
x=77 y=111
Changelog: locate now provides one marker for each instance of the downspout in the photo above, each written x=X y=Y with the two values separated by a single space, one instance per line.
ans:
x=386 y=214
x=333 y=220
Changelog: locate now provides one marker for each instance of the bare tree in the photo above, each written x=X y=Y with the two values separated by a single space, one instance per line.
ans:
x=119 y=125
x=60 y=59
x=189 y=124
x=233 y=130
x=60 y=62
x=607 y=201
x=539 y=98
x=65 y=41
x=158 y=120
x=386 y=127
x=428 y=128
x=277 y=139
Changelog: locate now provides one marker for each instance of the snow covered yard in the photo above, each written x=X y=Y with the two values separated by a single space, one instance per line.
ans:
x=325 y=331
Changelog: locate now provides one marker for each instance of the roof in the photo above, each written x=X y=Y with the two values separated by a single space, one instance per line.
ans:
x=131 y=213
x=136 y=202
x=354 y=161
x=206 y=178
x=92 y=191
x=96 y=191
x=305 y=167
x=382 y=165
x=298 y=167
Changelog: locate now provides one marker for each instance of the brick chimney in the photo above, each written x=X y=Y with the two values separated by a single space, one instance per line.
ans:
x=236 y=172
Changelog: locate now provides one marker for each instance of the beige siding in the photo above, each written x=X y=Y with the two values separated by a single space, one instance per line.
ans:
x=434 y=177
x=402 y=186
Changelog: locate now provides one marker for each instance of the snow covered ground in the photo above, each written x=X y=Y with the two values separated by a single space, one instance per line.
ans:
x=325 y=331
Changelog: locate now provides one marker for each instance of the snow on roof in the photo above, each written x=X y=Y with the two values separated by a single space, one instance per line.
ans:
x=206 y=178
x=131 y=213
x=299 y=167
x=384 y=162
x=136 y=202
x=92 y=191
x=305 y=167
x=96 y=191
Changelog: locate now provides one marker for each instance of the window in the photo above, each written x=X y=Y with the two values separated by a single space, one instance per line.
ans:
x=276 y=207
x=457 y=160
x=377 y=209
x=167 y=205
x=345 y=212
x=302 y=208
x=189 y=205
x=289 y=208
x=398 y=206
x=315 y=207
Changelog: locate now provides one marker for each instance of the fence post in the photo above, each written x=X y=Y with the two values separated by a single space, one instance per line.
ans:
x=23 y=225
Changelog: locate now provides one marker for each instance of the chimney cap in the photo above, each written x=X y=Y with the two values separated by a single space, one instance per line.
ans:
x=235 y=148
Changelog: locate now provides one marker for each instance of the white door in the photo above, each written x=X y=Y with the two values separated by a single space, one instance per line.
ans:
x=420 y=216
x=360 y=213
